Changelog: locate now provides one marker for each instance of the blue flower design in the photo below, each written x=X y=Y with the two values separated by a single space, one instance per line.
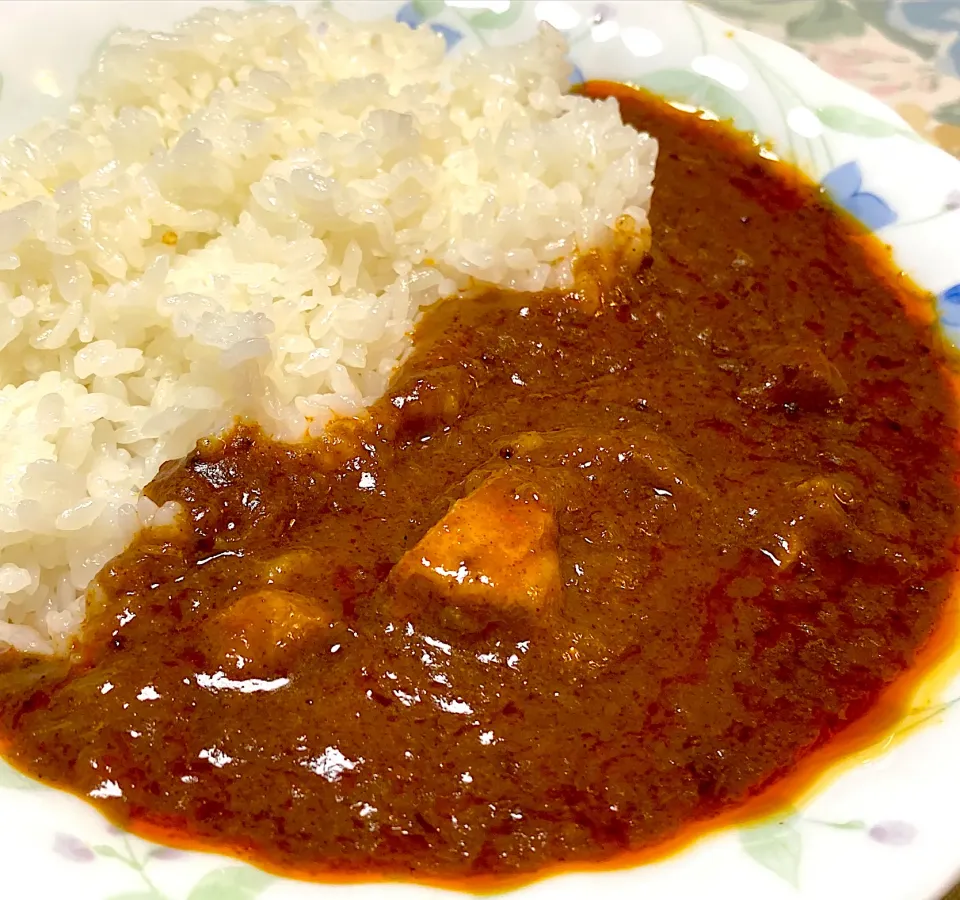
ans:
x=942 y=16
x=451 y=36
x=950 y=306
x=577 y=76
x=844 y=183
x=951 y=295
x=410 y=15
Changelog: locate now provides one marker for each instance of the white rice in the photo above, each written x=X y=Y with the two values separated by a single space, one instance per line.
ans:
x=244 y=217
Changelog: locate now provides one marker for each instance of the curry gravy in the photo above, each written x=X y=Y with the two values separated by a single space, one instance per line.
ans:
x=587 y=577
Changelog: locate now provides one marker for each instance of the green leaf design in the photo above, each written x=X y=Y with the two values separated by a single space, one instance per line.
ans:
x=11 y=778
x=488 y=19
x=231 y=883
x=776 y=845
x=851 y=121
x=829 y=19
x=852 y=825
x=108 y=852
x=688 y=87
x=428 y=8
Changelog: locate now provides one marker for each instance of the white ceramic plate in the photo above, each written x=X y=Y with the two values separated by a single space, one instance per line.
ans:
x=883 y=829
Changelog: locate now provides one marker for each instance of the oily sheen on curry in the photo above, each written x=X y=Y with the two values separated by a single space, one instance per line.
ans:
x=589 y=575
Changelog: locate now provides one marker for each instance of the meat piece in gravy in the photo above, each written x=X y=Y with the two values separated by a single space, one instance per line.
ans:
x=258 y=632
x=492 y=556
x=427 y=400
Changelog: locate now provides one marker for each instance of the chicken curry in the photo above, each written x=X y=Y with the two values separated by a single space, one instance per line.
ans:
x=596 y=568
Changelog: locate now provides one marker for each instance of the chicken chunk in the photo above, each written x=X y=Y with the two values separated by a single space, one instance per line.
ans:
x=817 y=511
x=293 y=568
x=822 y=514
x=259 y=630
x=430 y=401
x=493 y=556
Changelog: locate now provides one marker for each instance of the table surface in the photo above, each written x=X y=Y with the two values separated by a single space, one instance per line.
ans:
x=905 y=52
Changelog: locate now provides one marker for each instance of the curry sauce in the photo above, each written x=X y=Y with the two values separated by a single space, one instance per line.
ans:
x=588 y=574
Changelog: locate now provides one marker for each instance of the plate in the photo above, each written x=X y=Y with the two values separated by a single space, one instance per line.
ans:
x=881 y=826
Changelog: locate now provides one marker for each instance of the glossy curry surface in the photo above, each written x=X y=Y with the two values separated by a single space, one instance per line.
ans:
x=597 y=567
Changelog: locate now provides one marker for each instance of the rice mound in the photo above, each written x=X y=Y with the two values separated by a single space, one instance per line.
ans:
x=243 y=217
